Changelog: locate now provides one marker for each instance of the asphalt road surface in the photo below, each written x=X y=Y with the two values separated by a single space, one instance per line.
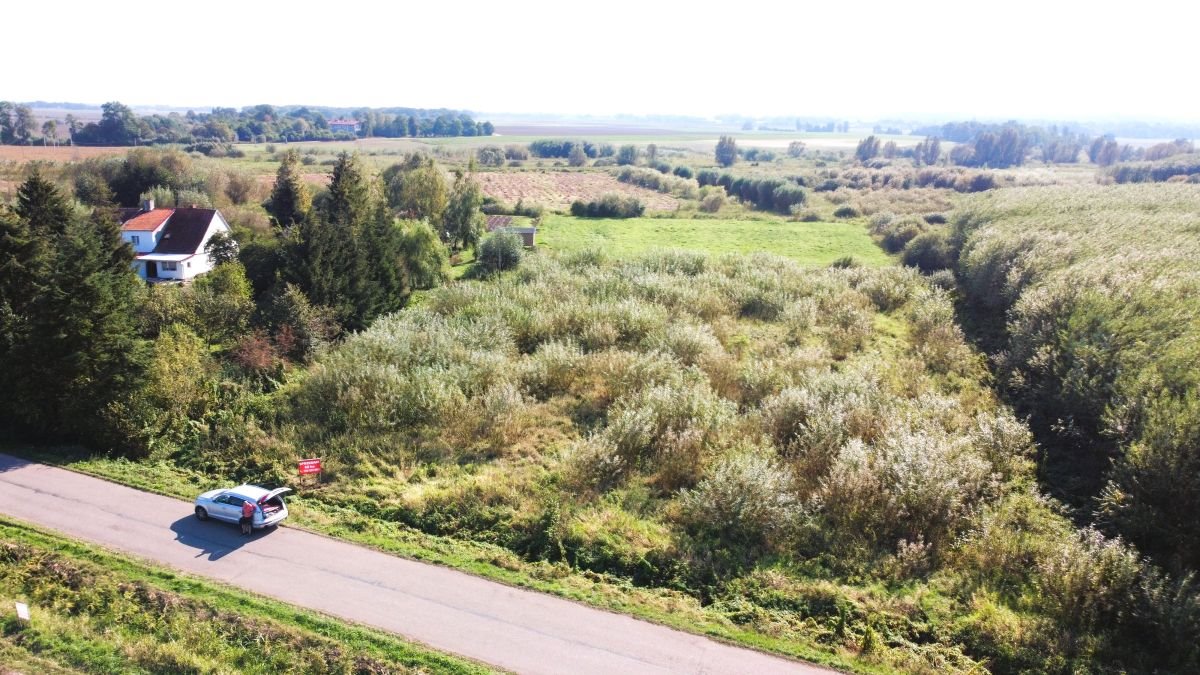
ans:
x=519 y=630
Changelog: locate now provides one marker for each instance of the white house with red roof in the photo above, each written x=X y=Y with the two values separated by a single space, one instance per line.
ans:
x=344 y=124
x=170 y=243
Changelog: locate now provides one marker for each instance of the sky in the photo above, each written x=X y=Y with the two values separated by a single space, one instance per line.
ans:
x=866 y=60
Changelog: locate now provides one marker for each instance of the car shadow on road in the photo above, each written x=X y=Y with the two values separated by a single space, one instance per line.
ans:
x=10 y=463
x=213 y=538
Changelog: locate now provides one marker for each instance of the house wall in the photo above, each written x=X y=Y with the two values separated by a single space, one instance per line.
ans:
x=180 y=272
x=201 y=262
x=146 y=240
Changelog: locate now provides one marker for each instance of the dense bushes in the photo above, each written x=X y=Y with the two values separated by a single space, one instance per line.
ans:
x=608 y=206
x=1178 y=168
x=768 y=194
x=675 y=451
x=658 y=181
x=1093 y=288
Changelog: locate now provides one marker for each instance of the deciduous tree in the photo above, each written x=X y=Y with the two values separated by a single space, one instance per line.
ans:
x=726 y=152
x=463 y=221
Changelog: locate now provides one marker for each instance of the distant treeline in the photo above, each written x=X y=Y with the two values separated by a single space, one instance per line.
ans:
x=119 y=125
x=1000 y=146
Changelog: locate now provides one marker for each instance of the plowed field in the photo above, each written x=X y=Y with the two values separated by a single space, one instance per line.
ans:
x=62 y=153
x=557 y=189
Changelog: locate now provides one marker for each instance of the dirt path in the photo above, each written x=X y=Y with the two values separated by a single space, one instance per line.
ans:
x=520 y=630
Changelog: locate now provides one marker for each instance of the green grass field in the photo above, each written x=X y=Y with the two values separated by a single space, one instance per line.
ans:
x=814 y=244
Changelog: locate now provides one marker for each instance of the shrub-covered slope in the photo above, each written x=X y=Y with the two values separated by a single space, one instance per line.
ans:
x=809 y=454
x=1098 y=289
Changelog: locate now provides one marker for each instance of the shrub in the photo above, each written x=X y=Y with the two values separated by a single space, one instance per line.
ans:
x=671 y=430
x=897 y=234
x=930 y=252
x=912 y=485
x=707 y=177
x=490 y=155
x=683 y=171
x=712 y=201
x=845 y=211
x=745 y=503
x=609 y=206
x=936 y=337
x=500 y=251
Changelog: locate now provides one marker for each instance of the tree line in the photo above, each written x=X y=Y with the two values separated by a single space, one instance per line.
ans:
x=119 y=125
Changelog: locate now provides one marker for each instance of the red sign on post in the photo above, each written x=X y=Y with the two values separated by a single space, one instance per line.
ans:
x=309 y=466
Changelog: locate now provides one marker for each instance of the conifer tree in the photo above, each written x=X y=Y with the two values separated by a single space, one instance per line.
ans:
x=291 y=201
x=72 y=347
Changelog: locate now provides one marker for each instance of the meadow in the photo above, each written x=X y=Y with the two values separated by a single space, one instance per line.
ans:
x=814 y=243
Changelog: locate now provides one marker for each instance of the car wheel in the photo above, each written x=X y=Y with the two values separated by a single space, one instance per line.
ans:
x=201 y=513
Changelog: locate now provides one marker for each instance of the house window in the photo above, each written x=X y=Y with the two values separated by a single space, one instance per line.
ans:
x=169 y=266
x=135 y=240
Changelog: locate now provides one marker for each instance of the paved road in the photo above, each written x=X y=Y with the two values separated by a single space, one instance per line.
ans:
x=519 y=630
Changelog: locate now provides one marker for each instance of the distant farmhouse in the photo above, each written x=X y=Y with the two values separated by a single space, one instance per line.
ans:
x=343 y=124
x=504 y=223
x=169 y=243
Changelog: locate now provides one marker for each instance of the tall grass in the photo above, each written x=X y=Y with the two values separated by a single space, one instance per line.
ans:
x=1096 y=289
x=712 y=424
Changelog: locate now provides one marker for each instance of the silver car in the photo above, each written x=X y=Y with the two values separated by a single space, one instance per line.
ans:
x=226 y=505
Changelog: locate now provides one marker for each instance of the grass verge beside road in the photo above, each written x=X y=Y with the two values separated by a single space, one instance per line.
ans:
x=309 y=512
x=97 y=611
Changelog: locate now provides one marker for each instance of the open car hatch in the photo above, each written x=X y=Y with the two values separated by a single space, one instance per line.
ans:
x=273 y=494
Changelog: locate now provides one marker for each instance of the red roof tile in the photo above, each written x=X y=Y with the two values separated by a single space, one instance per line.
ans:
x=494 y=222
x=148 y=221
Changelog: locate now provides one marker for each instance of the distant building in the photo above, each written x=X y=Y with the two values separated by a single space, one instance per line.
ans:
x=504 y=224
x=170 y=243
x=343 y=125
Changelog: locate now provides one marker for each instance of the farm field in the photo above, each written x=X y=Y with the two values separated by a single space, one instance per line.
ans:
x=814 y=244
x=556 y=190
x=61 y=153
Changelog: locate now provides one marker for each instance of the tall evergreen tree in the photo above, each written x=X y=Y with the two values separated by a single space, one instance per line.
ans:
x=348 y=253
x=75 y=349
x=291 y=201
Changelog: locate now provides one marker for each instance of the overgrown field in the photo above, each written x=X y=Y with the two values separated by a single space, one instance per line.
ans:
x=556 y=190
x=96 y=612
x=803 y=460
x=818 y=243
x=1093 y=297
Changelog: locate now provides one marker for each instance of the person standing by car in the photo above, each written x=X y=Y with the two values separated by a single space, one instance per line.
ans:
x=247 y=519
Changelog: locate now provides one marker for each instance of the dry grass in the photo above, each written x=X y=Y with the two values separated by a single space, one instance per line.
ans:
x=556 y=190
x=62 y=153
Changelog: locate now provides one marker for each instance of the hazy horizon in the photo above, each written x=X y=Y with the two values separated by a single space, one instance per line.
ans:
x=880 y=61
